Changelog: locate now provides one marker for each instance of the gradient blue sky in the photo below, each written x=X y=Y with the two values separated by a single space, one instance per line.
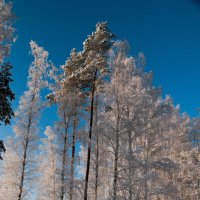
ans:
x=166 y=31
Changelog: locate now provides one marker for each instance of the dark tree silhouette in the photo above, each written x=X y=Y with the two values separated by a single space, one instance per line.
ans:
x=6 y=94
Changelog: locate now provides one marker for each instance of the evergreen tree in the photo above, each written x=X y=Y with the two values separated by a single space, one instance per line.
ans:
x=6 y=94
x=95 y=69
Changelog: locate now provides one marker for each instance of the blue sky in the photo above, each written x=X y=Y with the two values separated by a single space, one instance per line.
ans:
x=166 y=31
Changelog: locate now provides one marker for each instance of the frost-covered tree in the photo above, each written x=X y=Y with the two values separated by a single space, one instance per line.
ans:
x=186 y=156
x=99 y=155
x=10 y=177
x=90 y=75
x=155 y=165
x=194 y=133
x=68 y=99
x=71 y=66
x=26 y=131
x=62 y=146
x=48 y=167
x=66 y=114
x=6 y=29
x=117 y=93
x=134 y=130
x=95 y=51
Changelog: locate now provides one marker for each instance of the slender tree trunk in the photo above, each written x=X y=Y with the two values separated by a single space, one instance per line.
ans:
x=25 y=149
x=54 y=188
x=97 y=169
x=54 y=178
x=116 y=159
x=97 y=155
x=145 y=190
x=146 y=183
x=73 y=159
x=24 y=161
x=130 y=168
x=90 y=139
x=130 y=154
x=64 y=159
x=116 y=169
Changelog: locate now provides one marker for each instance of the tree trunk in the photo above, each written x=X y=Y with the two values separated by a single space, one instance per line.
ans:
x=24 y=162
x=25 y=150
x=90 y=139
x=130 y=155
x=73 y=159
x=145 y=183
x=97 y=155
x=146 y=191
x=54 y=178
x=64 y=159
x=130 y=169
x=116 y=169
x=116 y=159
x=97 y=169
x=54 y=189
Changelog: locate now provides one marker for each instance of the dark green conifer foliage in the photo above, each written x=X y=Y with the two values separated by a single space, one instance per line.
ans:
x=6 y=94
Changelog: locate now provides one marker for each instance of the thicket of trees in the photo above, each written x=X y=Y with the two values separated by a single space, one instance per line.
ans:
x=115 y=137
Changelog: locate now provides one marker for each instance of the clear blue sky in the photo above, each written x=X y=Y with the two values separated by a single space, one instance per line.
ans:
x=167 y=31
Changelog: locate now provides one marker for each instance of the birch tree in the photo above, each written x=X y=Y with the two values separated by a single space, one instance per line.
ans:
x=48 y=168
x=194 y=133
x=63 y=126
x=186 y=155
x=26 y=129
x=133 y=128
x=68 y=99
x=117 y=93
x=155 y=165
x=71 y=67
x=62 y=129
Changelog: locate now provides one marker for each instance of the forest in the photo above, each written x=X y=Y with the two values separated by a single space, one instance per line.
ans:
x=115 y=138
